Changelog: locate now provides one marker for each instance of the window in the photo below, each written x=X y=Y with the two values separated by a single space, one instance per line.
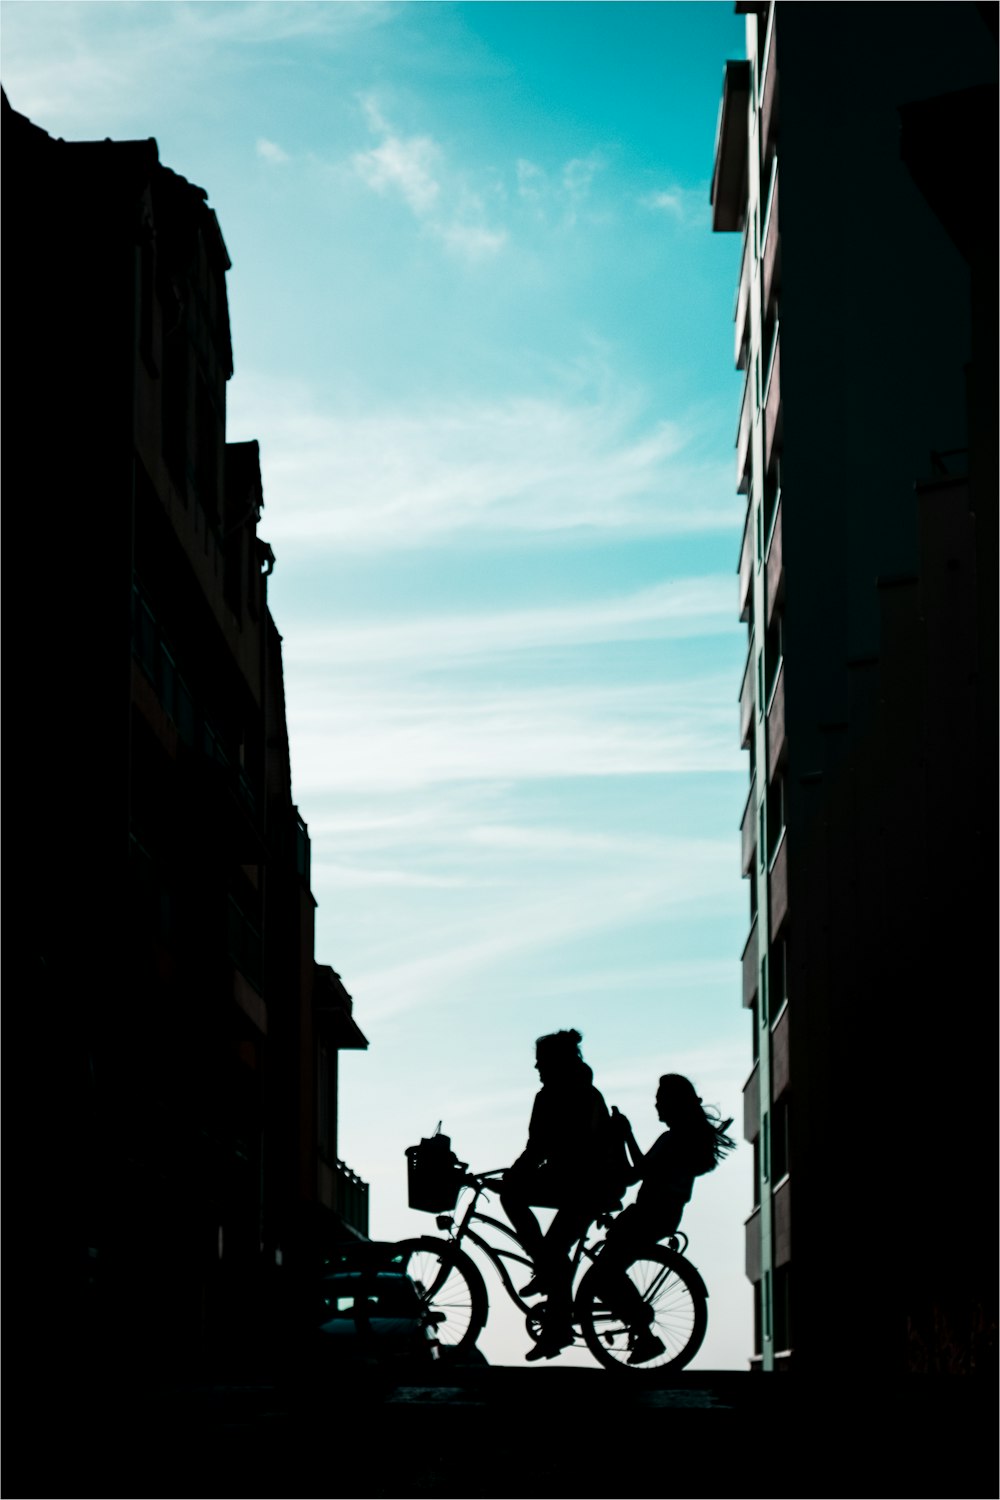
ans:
x=764 y=1011
x=207 y=452
x=779 y=1139
x=765 y=1147
x=782 y=1307
x=168 y=683
x=143 y=633
x=175 y=405
x=776 y=824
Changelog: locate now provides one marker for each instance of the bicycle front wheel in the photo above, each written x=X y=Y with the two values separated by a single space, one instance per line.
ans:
x=673 y=1299
x=449 y=1284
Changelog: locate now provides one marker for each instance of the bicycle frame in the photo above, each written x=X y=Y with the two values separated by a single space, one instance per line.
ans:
x=496 y=1254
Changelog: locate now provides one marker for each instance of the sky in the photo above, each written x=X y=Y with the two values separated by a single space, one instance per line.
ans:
x=482 y=332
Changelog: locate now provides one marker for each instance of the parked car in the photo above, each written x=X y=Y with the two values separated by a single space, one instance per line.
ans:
x=372 y=1313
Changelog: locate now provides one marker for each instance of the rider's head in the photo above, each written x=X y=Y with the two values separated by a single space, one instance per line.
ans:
x=676 y=1100
x=558 y=1055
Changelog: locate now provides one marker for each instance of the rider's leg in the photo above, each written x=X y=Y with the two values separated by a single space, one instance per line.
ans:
x=525 y=1224
x=630 y=1232
x=569 y=1225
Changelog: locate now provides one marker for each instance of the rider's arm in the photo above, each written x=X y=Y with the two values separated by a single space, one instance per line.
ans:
x=635 y=1156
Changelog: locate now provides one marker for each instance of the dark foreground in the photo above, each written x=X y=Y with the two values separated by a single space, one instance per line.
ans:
x=500 y=1432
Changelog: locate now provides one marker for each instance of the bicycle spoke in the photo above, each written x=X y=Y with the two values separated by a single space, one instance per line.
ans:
x=665 y=1286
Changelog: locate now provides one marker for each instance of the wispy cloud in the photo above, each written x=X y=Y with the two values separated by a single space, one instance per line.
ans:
x=69 y=65
x=570 y=461
x=684 y=874
x=408 y=166
x=670 y=610
x=351 y=736
x=531 y=180
x=271 y=151
x=414 y=167
x=578 y=175
x=686 y=205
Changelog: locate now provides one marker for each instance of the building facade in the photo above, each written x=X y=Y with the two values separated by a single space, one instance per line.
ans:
x=177 y=1040
x=865 y=330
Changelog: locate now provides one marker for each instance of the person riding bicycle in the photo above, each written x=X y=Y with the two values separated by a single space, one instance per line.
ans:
x=693 y=1143
x=573 y=1163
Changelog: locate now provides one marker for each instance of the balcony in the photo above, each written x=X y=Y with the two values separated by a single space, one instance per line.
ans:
x=748 y=830
x=769 y=94
x=782 y=1223
x=775 y=565
x=751 y=1105
x=729 y=174
x=749 y=962
x=219 y=809
x=778 y=886
x=747 y=701
x=244 y=944
x=746 y=569
x=776 y=742
x=743 y=442
x=770 y=256
x=334 y=1008
x=741 y=315
x=350 y=1199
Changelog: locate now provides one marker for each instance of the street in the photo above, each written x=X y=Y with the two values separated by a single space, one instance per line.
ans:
x=479 y=1431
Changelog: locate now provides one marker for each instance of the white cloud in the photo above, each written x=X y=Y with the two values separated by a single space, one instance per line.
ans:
x=438 y=197
x=92 y=70
x=472 y=241
x=685 y=873
x=354 y=736
x=571 y=461
x=670 y=610
x=531 y=180
x=408 y=166
x=578 y=175
x=689 y=206
x=271 y=151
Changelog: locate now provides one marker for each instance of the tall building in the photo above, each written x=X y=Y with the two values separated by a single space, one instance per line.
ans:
x=176 y=1040
x=856 y=157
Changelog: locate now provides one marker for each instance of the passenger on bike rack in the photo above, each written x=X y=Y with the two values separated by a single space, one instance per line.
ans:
x=568 y=1164
x=694 y=1143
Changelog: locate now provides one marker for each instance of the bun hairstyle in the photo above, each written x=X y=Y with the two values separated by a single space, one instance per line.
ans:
x=561 y=1044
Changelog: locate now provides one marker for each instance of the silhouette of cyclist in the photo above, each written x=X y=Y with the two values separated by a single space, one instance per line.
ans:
x=694 y=1142
x=569 y=1165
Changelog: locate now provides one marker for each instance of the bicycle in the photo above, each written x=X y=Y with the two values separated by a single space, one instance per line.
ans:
x=453 y=1288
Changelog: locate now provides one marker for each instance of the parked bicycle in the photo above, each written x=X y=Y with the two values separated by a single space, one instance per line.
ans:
x=453 y=1289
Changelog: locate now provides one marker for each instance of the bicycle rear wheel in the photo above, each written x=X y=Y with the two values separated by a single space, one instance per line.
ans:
x=674 y=1294
x=450 y=1285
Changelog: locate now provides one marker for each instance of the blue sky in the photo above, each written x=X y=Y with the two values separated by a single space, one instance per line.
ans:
x=483 y=334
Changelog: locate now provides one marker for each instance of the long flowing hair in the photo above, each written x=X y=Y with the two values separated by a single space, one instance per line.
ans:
x=702 y=1125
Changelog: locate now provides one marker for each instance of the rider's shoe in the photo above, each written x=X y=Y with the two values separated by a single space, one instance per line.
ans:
x=645 y=1346
x=551 y=1343
x=535 y=1287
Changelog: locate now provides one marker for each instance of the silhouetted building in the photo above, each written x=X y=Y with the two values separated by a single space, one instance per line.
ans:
x=856 y=154
x=177 y=1041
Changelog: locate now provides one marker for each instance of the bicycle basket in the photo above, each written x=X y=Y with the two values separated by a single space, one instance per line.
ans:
x=433 y=1174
